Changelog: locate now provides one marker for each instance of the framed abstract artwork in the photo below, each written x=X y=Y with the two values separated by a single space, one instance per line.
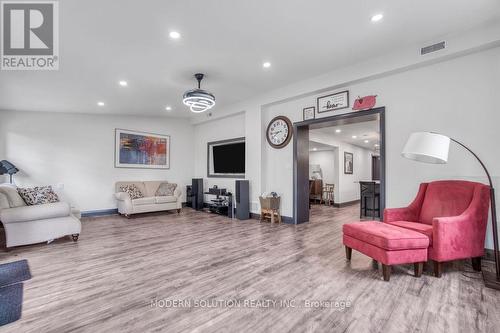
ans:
x=348 y=163
x=141 y=150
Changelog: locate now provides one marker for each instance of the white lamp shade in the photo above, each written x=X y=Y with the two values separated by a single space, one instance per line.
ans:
x=427 y=147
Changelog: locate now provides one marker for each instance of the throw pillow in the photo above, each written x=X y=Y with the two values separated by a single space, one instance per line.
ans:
x=166 y=189
x=132 y=191
x=38 y=195
x=12 y=195
x=4 y=202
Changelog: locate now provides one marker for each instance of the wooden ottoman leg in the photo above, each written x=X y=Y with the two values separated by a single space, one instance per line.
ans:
x=418 y=267
x=348 y=253
x=476 y=264
x=386 y=271
x=374 y=264
x=438 y=269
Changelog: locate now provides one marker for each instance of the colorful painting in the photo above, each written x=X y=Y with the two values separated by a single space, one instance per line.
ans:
x=141 y=150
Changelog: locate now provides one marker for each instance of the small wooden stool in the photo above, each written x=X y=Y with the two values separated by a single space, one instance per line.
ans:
x=270 y=208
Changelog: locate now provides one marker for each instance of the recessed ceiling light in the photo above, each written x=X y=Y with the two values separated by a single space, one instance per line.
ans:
x=168 y=108
x=315 y=149
x=376 y=145
x=354 y=136
x=266 y=64
x=174 y=35
x=377 y=17
x=123 y=83
x=366 y=141
x=100 y=103
x=338 y=130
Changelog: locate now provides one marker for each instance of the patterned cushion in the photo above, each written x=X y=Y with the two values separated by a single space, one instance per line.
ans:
x=38 y=195
x=166 y=189
x=132 y=191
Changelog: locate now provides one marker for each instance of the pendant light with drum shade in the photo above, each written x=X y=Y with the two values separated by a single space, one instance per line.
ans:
x=198 y=100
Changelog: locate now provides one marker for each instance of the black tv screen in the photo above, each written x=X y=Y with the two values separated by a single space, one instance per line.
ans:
x=229 y=158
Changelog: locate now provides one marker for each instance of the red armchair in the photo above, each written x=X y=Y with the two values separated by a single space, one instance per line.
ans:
x=453 y=214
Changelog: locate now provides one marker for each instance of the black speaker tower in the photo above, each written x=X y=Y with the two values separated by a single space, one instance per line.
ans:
x=242 y=200
x=197 y=193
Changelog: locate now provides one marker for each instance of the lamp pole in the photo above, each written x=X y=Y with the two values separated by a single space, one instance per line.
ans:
x=490 y=280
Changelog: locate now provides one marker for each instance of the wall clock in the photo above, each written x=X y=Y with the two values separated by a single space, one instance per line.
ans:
x=279 y=132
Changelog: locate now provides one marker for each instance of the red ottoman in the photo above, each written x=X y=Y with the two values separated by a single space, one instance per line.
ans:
x=387 y=244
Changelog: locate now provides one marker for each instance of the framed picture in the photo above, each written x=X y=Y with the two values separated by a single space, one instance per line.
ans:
x=333 y=102
x=141 y=150
x=309 y=113
x=348 y=163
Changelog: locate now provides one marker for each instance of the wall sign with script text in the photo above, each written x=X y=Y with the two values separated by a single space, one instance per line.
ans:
x=333 y=102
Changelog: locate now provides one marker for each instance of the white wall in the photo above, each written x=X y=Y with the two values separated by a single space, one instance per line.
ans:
x=326 y=160
x=78 y=151
x=453 y=97
x=346 y=185
x=349 y=183
x=223 y=129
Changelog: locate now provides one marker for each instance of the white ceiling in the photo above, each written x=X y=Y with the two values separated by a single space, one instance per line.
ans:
x=318 y=146
x=368 y=130
x=103 y=41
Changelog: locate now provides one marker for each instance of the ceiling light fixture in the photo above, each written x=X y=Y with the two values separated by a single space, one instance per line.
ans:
x=377 y=17
x=315 y=148
x=366 y=141
x=198 y=100
x=266 y=64
x=168 y=108
x=376 y=145
x=100 y=103
x=174 y=35
x=354 y=136
x=123 y=83
x=338 y=130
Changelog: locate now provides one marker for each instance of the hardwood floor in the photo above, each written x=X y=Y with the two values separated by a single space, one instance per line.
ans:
x=108 y=281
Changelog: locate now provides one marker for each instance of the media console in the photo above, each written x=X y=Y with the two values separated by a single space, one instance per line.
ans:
x=223 y=202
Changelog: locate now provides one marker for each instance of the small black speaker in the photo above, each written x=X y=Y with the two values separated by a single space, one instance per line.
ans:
x=242 y=199
x=189 y=196
x=197 y=193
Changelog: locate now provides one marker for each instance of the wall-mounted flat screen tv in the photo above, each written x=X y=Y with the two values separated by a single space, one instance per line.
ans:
x=226 y=158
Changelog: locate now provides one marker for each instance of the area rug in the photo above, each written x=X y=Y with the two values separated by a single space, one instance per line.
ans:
x=14 y=272
x=11 y=290
x=11 y=303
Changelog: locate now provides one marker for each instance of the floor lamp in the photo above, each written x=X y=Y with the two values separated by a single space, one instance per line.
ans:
x=431 y=147
x=8 y=168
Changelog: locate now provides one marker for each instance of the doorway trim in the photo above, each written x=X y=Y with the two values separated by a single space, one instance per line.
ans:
x=301 y=159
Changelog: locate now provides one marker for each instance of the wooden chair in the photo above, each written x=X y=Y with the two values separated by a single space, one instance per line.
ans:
x=270 y=209
x=328 y=195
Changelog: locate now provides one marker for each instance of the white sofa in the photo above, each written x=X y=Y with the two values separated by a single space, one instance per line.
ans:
x=150 y=202
x=34 y=224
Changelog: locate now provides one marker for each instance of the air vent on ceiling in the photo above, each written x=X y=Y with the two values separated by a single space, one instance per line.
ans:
x=432 y=48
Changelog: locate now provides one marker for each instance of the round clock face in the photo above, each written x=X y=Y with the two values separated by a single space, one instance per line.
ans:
x=279 y=132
